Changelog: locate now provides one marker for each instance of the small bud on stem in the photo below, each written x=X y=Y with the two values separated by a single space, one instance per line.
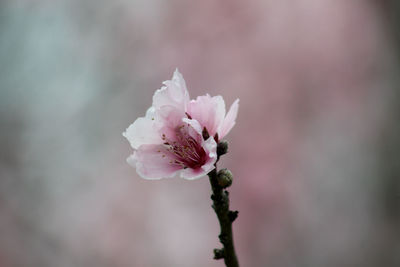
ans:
x=220 y=197
x=222 y=148
x=218 y=253
x=224 y=178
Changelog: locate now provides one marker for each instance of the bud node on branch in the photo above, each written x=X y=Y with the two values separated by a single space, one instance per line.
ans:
x=233 y=215
x=219 y=253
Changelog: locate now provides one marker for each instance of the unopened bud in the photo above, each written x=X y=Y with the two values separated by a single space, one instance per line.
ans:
x=232 y=215
x=222 y=148
x=224 y=178
x=219 y=253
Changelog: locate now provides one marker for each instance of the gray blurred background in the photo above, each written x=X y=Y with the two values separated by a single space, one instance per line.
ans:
x=315 y=151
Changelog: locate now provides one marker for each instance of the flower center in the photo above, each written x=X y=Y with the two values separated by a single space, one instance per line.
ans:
x=186 y=150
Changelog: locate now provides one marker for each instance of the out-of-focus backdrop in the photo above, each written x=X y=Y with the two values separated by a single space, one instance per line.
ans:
x=315 y=151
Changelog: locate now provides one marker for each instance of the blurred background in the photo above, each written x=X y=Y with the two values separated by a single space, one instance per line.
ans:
x=315 y=151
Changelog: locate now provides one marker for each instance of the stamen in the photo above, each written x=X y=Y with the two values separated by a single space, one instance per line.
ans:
x=189 y=117
x=187 y=152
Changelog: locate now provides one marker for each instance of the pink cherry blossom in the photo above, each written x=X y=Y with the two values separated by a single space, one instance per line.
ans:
x=171 y=137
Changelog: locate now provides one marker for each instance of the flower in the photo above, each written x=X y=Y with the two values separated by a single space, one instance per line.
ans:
x=178 y=134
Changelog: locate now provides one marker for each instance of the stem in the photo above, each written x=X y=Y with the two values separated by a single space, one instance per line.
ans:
x=225 y=216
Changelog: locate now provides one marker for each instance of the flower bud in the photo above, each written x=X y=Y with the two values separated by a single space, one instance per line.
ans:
x=222 y=148
x=224 y=178
x=219 y=253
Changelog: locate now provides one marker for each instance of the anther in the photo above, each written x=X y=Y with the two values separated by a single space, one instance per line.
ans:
x=189 y=117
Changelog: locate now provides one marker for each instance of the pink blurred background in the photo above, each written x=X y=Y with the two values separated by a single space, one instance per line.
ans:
x=314 y=152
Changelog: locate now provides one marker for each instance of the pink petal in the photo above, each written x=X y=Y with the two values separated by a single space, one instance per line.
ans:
x=170 y=115
x=153 y=162
x=169 y=119
x=193 y=174
x=208 y=111
x=229 y=120
x=173 y=93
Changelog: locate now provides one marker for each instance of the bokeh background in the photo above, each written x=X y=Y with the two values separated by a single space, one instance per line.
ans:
x=315 y=151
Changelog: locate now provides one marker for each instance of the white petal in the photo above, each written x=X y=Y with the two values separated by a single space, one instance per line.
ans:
x=142 y=131
x=193 y=174
x=210 y=147
x=195 y=125
x=151 y=113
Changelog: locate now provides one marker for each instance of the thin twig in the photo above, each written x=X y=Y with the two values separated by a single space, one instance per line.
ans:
x=225 y=216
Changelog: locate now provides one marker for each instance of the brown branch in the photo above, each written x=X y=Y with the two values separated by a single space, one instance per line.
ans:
x=220 y=197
